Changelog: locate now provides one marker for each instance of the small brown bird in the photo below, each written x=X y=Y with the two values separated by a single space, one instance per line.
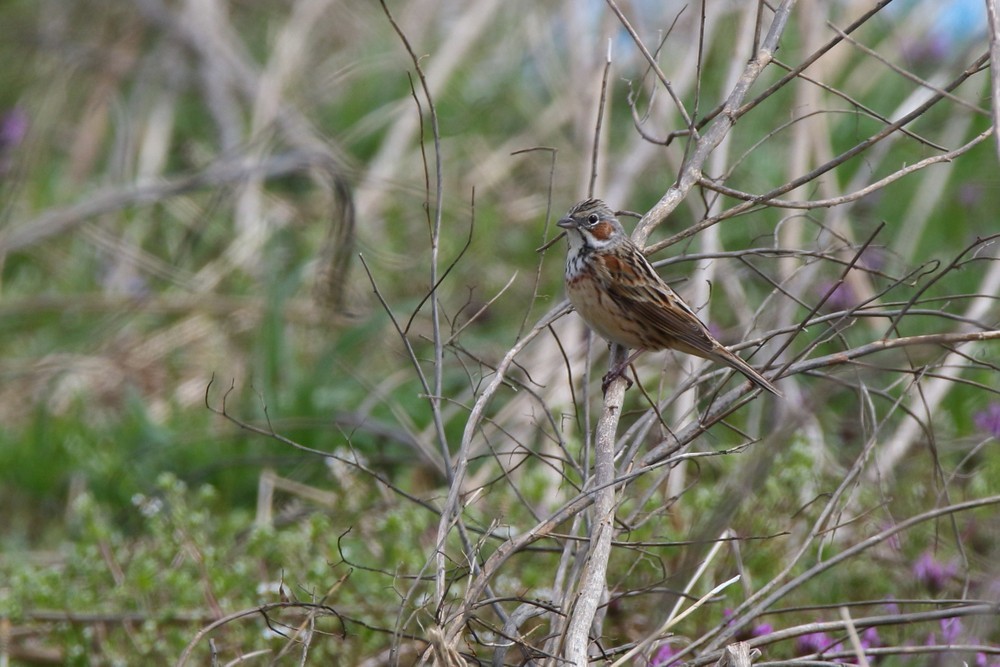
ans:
x=621 y=297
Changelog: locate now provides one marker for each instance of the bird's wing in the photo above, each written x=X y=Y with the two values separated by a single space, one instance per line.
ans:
x=634 y=284
x=638 y=288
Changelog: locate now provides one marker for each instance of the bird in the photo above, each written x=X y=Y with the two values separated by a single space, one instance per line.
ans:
x=622 y=298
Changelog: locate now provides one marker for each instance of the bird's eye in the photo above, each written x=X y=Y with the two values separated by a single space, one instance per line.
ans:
x=593 y=219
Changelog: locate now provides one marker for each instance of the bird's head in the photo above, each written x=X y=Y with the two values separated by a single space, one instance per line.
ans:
x=592 y=224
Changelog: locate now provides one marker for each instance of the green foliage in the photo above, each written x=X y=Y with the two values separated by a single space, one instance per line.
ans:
x=129 y=505
x=192 y=555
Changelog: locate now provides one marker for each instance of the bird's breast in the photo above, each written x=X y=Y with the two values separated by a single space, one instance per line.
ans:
x=598 y=308
x=575 y=266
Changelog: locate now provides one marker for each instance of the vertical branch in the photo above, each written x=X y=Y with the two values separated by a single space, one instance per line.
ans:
x=993 y=18
x=450 y=515
x=600 y=121
x=593 y=579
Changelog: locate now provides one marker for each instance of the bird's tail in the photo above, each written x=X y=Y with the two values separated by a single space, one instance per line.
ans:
x=725 y=356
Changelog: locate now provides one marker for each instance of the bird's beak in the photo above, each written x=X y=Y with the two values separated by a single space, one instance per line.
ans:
x=565 y=223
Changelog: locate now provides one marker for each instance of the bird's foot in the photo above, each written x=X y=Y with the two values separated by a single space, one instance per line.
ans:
x=613 y=375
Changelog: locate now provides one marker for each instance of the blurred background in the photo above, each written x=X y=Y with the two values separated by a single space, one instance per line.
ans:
x=206 y=201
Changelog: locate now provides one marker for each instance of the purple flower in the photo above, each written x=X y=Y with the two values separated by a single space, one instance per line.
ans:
x=989 y=420
x=983 y=660
x=814 y=642
x=13 y=128
x=951 y=630
x=841 y=298
x=927 y=49
x=970 y=194
x=743 y=634
x=896 y=544
x=870 y=638
x=873 y=258
x=932 y=574
x=663 y=656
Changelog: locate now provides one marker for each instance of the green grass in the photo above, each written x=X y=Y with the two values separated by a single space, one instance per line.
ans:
x=131 y=508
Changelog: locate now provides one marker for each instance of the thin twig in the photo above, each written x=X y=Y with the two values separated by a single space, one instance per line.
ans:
x=717 y=131
x=674 y=196
x=851 y=196
x=759 y=602
x=651 y=60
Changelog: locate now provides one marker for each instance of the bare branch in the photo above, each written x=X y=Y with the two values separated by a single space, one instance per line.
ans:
x=852 y=196
x=651 y=60
x=818 y=171
x=717 y=131
x=993 y=17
